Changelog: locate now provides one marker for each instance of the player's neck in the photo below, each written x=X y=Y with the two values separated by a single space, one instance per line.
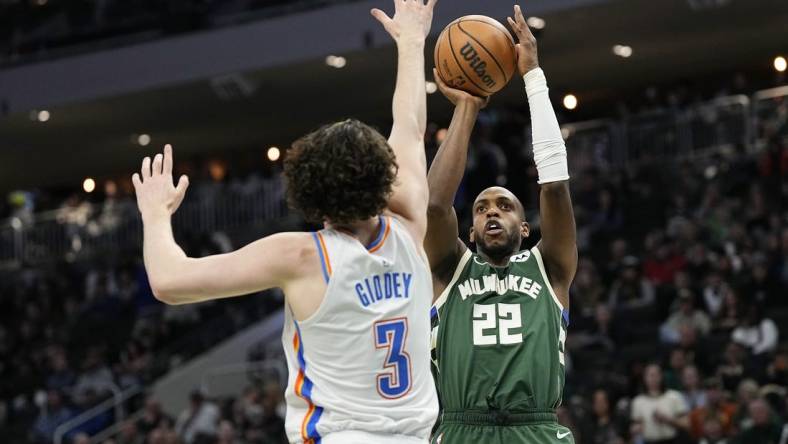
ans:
x=364 y=230
x=495 y=261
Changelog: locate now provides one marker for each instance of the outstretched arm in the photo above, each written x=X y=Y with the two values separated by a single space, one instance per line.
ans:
x=558 y=245
x=409 y=27
x=442 y=244
x=178 y=279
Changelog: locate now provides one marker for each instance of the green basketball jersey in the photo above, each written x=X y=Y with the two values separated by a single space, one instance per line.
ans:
x=498 y=337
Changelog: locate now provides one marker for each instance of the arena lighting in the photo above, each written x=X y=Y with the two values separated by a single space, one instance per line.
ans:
x=431 y=87
x=143 y=139
x=570 y=101
x=43 y=115
x=536 y=22
x=622 y=51
x=780 y=64
x=89 y=185
x=336 y=61
x=273 y=154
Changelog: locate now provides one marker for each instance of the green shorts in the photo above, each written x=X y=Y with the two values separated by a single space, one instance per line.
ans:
x=487 y=428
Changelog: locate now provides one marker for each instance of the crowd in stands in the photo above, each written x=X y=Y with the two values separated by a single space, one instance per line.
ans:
x=73 y=335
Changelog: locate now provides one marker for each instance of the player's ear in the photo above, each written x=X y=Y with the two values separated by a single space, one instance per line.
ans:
x=473 y=240
x=525 y=229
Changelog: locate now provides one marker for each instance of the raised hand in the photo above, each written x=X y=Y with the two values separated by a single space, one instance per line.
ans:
x=156 y=194
x=456 y=96
x=527 y=57
x=411 y=22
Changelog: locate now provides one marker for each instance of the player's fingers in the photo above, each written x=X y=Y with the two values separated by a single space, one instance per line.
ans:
x=145 y=171
x=167 y=167
x=180 y=191
x=136 y=181
x=518 y=14
x=438 y=80
x=513 y=24
x=431 y=3
x=183 y=183
x=381 y=16
x=157 y=161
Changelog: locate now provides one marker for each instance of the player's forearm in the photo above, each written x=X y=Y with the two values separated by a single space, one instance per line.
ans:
x=409 y=106
x=164 y=259
x=548 y=144
x=559 y=233
x=448 y=167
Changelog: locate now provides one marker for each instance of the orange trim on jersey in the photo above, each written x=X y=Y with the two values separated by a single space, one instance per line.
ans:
x=324 y=252
x=299 y=391
x=385 y=235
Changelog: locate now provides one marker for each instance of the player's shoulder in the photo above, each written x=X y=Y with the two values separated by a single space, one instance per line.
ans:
x=295 y=249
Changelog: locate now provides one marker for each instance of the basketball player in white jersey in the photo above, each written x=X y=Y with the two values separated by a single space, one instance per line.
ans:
x=357 y=292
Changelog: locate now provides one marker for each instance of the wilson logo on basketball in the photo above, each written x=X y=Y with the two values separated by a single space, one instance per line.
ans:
x=470 y=55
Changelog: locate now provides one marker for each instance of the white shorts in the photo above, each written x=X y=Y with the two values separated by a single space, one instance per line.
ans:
x=357 y=437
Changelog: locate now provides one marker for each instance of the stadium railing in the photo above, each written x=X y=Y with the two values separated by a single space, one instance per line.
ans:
x=90 y=230
x=114 y=404
x=770 y=113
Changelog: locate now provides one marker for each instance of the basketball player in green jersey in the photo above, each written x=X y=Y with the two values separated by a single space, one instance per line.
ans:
x=500 y=314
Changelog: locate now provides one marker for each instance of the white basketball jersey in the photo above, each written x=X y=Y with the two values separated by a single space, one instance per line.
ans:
x=361 y=362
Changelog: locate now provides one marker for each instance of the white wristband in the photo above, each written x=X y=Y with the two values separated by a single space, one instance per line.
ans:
x=548 y=144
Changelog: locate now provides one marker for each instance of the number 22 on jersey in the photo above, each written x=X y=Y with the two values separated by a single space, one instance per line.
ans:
x=392 y=334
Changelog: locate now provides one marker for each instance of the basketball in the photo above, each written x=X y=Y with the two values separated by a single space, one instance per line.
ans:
x=475 y=53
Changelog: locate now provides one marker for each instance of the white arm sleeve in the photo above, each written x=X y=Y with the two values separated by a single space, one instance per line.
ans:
x=549 y=148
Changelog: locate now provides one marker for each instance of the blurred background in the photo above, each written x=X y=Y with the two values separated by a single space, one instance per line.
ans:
x=675 y=115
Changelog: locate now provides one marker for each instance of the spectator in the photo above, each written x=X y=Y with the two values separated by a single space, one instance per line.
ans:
x=712 y=433
x=227 y=433
x=152 y=416
x=199 y=421
x=95 y=376
x=731 y=370
x=685 y=315
x=81 y=438
x=631 y=290
x=677 y=360
x=728 y=317
x=130 y=434
x=764 y=429
x=777 y=371
x=713 y=294
x=53 y=415
x=694 y=396
x=717 y=409
x=756 y=333
x=601 y=428
x=658 y=415
x=61 y=377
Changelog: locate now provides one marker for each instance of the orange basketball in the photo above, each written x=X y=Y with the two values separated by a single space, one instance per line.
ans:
x=476 y=54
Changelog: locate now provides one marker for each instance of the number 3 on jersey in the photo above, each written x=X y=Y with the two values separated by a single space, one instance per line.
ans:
x=392 y=334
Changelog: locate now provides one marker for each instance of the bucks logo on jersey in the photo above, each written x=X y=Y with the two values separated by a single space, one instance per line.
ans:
x=498 y=337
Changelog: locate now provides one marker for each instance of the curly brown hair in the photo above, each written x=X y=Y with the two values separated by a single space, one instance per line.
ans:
x=341 y=173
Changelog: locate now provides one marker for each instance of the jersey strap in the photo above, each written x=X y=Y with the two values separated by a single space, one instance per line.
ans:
x=325 y=261
x=446 y=291
x=538 y=256
x=383 y=234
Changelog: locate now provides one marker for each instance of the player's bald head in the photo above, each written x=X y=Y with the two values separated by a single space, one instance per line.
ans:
x=495 y=193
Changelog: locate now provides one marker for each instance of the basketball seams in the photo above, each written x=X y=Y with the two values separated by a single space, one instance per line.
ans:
x=505 y=33
x=492 y=56
x=454 y=54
